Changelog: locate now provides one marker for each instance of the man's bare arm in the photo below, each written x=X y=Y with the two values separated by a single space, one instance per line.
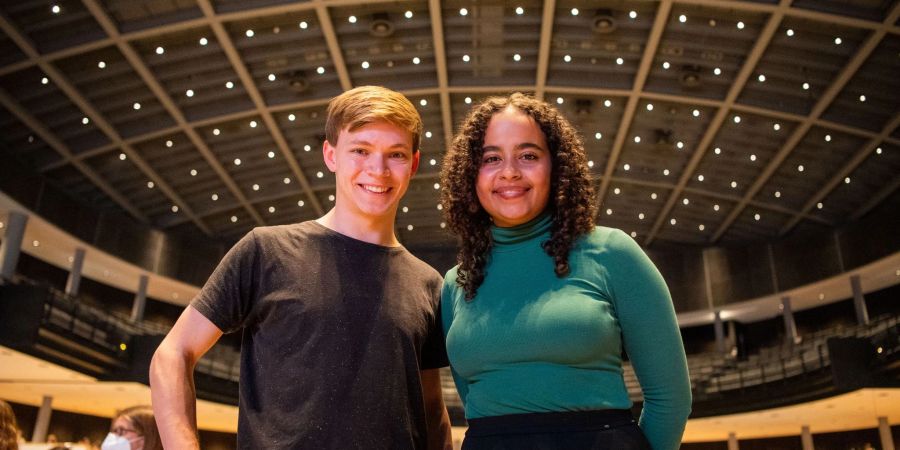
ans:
x=435 y=411
x=172 y=378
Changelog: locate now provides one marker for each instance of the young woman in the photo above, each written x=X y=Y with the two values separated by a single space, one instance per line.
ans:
x=543 y=302
x=133 y=429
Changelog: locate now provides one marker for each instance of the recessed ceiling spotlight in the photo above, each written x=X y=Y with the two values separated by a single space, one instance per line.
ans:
x=733 y=184
x=365 y=64
x=319 y=174
x=715 y=207
x=653 y=196
x=777 y=194
x=193 y=172
x=607 y=103
x=567 y=58
x=609 y=211
x=598 y=135
x=416 y=60
x=463 y=12
x=204 y=41
x=700 y=177
x=174 y=208
x=641 y=216
x=574 y=11
x=837 y=41
x=432 y=161
x=632 y=14
x=55 y=9
x=136 y=106
x=740 y=25
x=428 y=135
x=517 y=57
x=862 y=98
x=617 y=191
x=437 y=186
x=682 y=18
x=761 y=78
x=122 y=157
x=695 y=113
x=752 y=157
x=292 y=117
x=229 y=85
x=827 y=138
x=271 y=155
x=233 y=219
x=410 y=227
x=351 y=19
x=189 y=92
x=673 y=221
x=307 y=148
x=331 y=198
x=559 y=100
x=271 y=209
x=300 y=203
x=443 y=224
x=701 y=227
x=847 y=180
x=150 y=185
x=101 y=64
x=800 y=168
x=649 y=106
x=237 y=161
x=214 y=197
x=620 y=61
x=756 y=217
x=789 y=32
x=686 y=201
x=45 y=80
x=520 y=10
x=271 y=77
x=216 y=131
x=255 y=187
x=160 y=50
x=627 y=167
x=637 y=139
x=465 y=58
x=679 y=144
x=408 y=14
x=303 y=25
x=249 y=33
x=878 y=151
x=423 y=102
x=666 y=172
x=820 y=205
x=666 y=65
x=776 y=126
x=320 y=70
x=805 y=86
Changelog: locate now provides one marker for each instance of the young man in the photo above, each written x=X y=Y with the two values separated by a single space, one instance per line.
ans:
x=341 y=341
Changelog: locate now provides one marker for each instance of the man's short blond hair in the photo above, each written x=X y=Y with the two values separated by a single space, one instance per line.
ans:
x=366 y=104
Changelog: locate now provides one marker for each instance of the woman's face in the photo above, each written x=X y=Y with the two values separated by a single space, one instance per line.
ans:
x=513 y=183
x=123 y=426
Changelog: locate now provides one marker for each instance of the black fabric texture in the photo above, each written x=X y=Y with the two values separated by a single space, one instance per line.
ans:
x=335 y=332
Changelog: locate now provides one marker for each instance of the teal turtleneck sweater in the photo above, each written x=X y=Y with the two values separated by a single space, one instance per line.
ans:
x=531 y=342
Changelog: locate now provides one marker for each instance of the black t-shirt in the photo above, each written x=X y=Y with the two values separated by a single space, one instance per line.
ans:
x=335 y=332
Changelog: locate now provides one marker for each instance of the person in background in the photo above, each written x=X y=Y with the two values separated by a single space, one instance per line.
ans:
x=543 y=302
x=9 y=429
x=133 y=429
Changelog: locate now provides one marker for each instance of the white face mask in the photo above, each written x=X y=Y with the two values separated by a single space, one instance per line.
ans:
x=115 y=442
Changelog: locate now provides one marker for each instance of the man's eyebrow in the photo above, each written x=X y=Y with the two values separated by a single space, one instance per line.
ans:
x=369 y=144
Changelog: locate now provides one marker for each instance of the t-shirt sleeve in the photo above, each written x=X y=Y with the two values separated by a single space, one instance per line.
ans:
x=651 y=339
x=434 y=351
x=227 y=296
x=447 y=298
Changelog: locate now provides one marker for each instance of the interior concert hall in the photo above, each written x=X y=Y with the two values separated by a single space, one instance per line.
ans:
x=751 y=148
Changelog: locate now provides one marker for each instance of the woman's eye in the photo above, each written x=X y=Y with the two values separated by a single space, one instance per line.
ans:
x=490 y=159
x=530 y=156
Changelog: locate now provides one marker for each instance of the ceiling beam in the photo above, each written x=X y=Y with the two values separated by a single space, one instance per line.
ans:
x=800 y=131
x=150 y=80
x=334 y=48
x=712 y=129
x=680 y=99
x=659 y=25
x=56 y=144
x=440 y=60
x=876 y=199
x=864 y=152
x=250 y=86
x=543 y=65
x=64 y=85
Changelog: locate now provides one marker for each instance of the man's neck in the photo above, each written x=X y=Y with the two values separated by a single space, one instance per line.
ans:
x=372 y=230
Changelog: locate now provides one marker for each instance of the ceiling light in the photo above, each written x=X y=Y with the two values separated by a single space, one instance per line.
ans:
x=150 y=185
x=229 y=84
x=465 y=58
x=627 y=167
x=686 y=201
x=567 y=58
x=574 y=11
x=789 y=32
x=653 y=195
x=737 y=119
x=160 y=50
x=666 y=65
x=307 y=148
x=320 y=70
x=607 y=103
x=637 y=139
x=331 y=198
x=214 y=197
x=300 y=203
x=271 y=77
x=718 y=151
x=682 y=18
x=55 y=9
x=740 y=25
x=122 y=157
x=700 y=177
x=437 y=186
x=463 y=12
x=632 y=14
x=203 y=41
x=641 y=216
x=423 y=102
x=666 y=172
x=862 y=98
x=847 y=180
x=193 y=172
x=733 y=184
x=36 y=243
x=252 y=124
x=351 y=19
x=319 y=174
x=827 y=138
x=440 y=207
x=598 y=135
x=717 y=71
x=517 y=57
x=237 y=161
x=878 y=151
x=679 y=144
x=101 y=64
x=756 y=217
x=776 y=126
x=620 y=61
x=304 y=25
x=617 y=191
x=777 y=194
x=271 y=155
x=752 y=157
x=271 y=209
x=715 y=207
x=427 y=135
x=365 y=64
x=559 y=100
x=609 y=211
x=800 y=168
x=216 y=131
x=432 y=161
x=255 y=187
x=696 y=113
x=249 y=33
x=189 y=93
x=408 y=14
x=233 y=219
x=819 y=205
x=837 y=41
x=673 y=221
x=174 y=208
x=761 y=78
x=292 y=117
x=649 y=106
x=136 y=106
x=416 y=60
x=520 y=10
x=443 y=224
x=805 y=86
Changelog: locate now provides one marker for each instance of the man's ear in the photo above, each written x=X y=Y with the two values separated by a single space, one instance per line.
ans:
x=329 y=153
x=415 y=162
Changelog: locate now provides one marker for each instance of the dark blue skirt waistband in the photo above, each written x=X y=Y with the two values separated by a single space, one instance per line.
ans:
x=548 y=422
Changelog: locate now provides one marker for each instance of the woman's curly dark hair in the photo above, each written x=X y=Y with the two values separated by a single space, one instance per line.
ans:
x=571 y=200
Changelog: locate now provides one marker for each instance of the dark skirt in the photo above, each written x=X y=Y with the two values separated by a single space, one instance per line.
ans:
x=612 y=429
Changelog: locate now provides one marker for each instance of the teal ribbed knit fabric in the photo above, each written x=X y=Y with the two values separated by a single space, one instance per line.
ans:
x=531 y=342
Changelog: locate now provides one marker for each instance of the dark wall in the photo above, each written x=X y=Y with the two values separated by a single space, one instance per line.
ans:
x=684 y=274
x=739 y=273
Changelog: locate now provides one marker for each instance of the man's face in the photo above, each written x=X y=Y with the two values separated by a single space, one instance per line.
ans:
x=372 y=165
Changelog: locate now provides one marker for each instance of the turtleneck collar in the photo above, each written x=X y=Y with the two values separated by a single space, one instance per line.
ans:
x=521 y=233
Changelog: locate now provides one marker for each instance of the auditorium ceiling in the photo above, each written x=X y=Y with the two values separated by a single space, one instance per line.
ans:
x=705 y=121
